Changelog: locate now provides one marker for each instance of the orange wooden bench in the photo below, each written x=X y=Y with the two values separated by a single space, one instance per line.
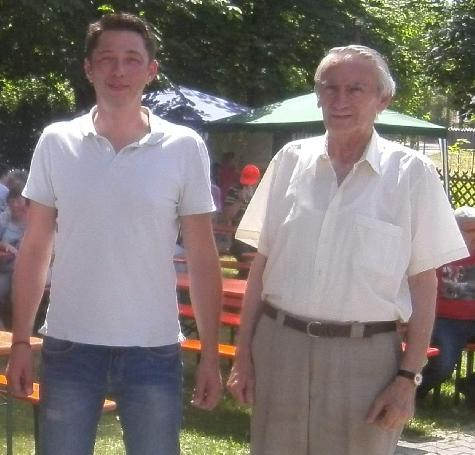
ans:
x=231 y=319
x=227 y=351
x=34 y=400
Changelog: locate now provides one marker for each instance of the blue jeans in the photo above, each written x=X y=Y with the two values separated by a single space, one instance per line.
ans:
x=450 y=336
x=145 y=382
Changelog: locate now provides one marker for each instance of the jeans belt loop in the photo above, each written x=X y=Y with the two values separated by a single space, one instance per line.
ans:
x=280 y=317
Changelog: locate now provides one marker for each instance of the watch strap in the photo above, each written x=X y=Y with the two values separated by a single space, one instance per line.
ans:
x=406 y=374
x=416 y=378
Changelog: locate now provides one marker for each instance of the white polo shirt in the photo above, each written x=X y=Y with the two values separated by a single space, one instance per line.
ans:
x=113 y=280
x=344 y=253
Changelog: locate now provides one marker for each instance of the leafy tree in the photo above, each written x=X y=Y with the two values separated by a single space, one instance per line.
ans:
x=400 y=29
x=252 y=51
x=452 y=56
x=24 y=105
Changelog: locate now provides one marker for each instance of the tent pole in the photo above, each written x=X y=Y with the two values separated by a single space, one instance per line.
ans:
x=445 y=164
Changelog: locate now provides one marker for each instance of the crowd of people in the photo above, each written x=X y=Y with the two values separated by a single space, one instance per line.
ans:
x=346 y=249
x=13 y=210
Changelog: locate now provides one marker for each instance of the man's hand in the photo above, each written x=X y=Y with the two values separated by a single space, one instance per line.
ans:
x=241 y=382
x=394 y=406
x=20 y=371
x=209 y=385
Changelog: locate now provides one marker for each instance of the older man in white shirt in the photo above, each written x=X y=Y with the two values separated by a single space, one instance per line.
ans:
x=349 y=228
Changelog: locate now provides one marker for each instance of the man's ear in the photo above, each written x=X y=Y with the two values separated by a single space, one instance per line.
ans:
x=153 y=70
x=384 y=102
x=87 y=69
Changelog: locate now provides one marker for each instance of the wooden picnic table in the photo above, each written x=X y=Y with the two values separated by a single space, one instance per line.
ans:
x=232 y=287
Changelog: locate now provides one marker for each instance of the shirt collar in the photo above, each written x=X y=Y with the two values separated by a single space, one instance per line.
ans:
x=156 y=126
x=371 y=154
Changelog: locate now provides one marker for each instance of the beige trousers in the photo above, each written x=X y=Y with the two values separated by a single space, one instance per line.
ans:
x=313 y=394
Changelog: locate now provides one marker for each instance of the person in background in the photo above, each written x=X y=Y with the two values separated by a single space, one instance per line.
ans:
x=112 y=189
x=14 y=178
x=3 y=196
x=347 y=247
x=227 y=174
x=455 y=323
x=12 y=229
x=236 y=202
x=238 y=196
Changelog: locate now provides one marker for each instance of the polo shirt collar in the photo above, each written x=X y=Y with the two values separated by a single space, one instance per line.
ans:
x=157 y=126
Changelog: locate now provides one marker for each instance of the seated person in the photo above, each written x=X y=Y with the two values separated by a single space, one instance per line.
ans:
x=12 y=228
x=236 y=202
x=455 y=323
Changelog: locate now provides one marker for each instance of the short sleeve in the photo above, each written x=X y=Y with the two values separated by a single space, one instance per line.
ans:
x=196 y=195
x=436 y=238
x=39 y=187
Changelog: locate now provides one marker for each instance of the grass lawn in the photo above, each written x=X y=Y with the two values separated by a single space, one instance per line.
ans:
x=226 y=430
x=222 y=431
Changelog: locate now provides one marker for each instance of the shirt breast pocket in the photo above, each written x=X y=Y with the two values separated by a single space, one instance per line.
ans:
x=376 y=245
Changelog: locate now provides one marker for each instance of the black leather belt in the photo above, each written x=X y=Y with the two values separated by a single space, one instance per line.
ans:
x=330 y=330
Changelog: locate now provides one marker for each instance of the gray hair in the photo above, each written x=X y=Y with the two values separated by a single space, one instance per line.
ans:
x=465 y=213
x=386 y=84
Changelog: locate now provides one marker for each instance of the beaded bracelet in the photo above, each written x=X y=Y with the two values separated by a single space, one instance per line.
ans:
x=15 y=343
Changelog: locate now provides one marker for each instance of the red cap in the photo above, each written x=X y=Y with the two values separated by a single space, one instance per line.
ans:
x=250 y=175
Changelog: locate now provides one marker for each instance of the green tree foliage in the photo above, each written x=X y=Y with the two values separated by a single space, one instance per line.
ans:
x=24 y=105
x=252 y=51
x=400 y=30
x=452 y=55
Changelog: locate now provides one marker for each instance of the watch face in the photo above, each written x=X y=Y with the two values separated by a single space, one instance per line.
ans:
x=418 y=379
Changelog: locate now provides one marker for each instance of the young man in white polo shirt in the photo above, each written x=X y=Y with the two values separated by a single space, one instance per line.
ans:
x=112 y=188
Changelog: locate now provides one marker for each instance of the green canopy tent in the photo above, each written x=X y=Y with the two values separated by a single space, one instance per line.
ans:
x=302 y=115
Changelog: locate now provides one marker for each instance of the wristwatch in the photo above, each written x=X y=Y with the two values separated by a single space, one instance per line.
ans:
x=416 y=378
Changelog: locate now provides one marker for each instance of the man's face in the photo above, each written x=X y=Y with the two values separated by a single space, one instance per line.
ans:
x=349 y=96
x=119 y=68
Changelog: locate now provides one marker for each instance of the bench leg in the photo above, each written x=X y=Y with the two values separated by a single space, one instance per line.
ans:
x=436 y=395
x=36 y=429
x=458 y=375
x=469 y=355
x=9 y=424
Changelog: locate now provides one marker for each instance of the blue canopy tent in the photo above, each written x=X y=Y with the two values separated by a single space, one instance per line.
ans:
x=190 y=107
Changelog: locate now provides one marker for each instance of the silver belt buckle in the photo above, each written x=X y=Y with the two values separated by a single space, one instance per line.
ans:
x=311 y=324
x=357 y=330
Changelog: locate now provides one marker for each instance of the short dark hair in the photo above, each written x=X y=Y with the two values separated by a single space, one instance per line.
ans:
x=14 y=193
x=121 y=22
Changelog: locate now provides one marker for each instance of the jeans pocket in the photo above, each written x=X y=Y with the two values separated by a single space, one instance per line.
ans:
x=54 y=346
